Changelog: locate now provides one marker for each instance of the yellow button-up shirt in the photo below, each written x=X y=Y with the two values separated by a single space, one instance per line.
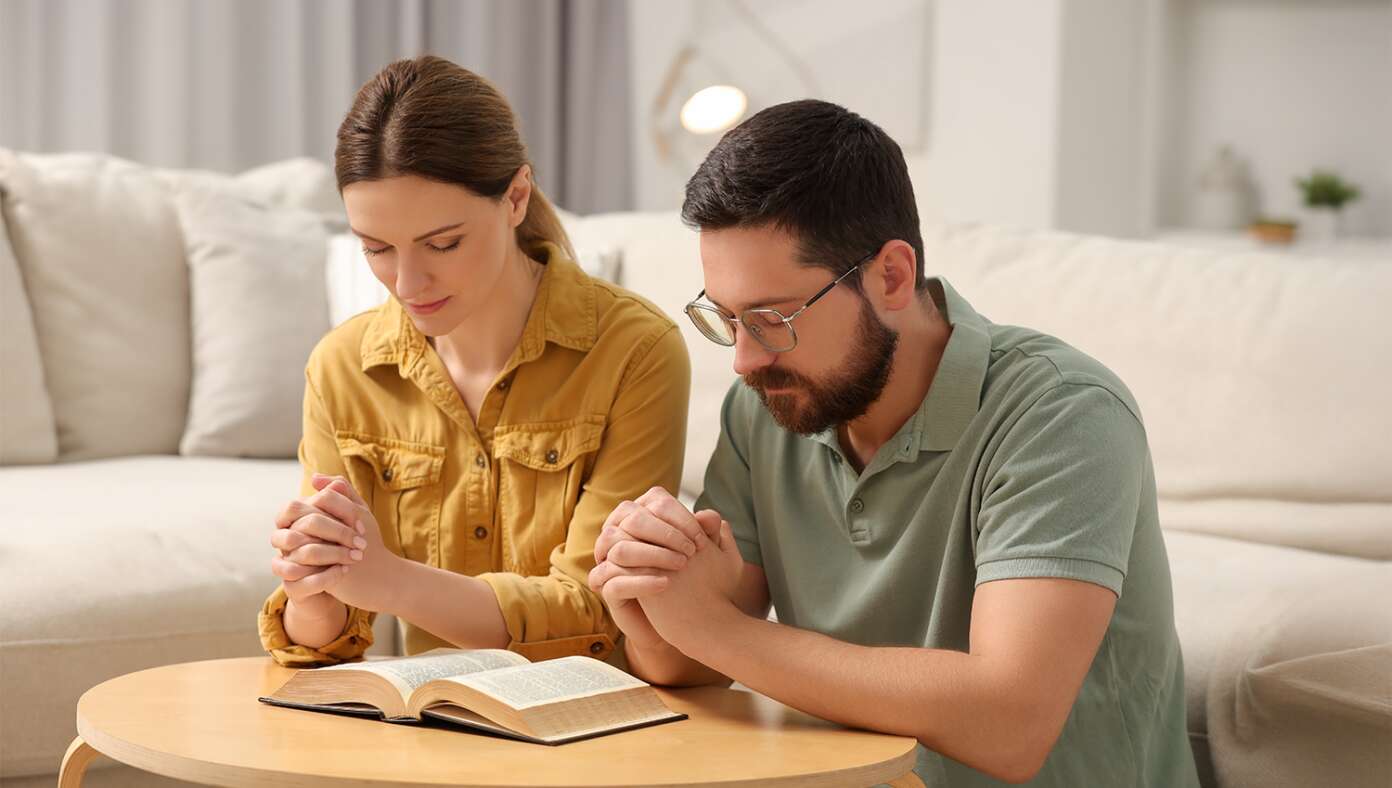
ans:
x=590 y=410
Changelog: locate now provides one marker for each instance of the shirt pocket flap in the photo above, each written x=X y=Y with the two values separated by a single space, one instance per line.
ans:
x=548 y=446
x=397 y=464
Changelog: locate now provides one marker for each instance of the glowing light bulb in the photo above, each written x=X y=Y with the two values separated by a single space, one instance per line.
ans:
x=713 y=109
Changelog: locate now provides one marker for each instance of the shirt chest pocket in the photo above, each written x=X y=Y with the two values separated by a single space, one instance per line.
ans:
x=542 y=469
x=400 y=481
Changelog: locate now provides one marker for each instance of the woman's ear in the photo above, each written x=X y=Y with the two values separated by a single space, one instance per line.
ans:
x=519 y=194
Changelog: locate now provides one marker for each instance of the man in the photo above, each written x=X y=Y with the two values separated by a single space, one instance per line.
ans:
x=955 y=521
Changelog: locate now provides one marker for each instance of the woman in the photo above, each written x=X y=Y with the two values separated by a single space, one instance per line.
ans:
x=465 y=441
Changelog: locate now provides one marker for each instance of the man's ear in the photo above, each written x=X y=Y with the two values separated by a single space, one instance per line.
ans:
x=896 y=269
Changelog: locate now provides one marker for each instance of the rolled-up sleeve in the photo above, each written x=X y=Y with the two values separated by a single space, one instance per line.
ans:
x=644 y=440
x=318 y=454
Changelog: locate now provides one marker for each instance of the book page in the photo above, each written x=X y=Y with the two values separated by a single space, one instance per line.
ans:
x=407 y=673
x=526 y=686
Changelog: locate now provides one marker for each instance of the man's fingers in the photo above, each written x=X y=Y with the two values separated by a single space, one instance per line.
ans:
x=325 y=528
x=604 y=574
x=626 y=587
x=670 y=510
x=644 y=526
x=609 y=536
x=641 y=555
x=709 y=519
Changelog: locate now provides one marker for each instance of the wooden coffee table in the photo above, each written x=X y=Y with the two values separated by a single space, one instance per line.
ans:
x=201 y=722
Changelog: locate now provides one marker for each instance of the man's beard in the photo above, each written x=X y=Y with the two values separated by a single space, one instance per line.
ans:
x=845 y=396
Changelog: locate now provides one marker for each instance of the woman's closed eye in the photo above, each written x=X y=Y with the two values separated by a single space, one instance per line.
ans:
x=451 y=246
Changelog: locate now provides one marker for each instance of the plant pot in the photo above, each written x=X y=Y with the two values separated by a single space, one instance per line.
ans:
x=1322 y=225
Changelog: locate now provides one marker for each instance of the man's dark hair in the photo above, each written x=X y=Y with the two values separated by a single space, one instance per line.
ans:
x=830 y=178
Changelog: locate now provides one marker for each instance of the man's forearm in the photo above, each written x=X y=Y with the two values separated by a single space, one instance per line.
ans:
x=457 y=608
x=950 y=701
x=316 y=621
x=663 y=664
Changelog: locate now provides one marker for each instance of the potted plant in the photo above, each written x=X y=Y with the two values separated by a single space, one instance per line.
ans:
x=1325 y=195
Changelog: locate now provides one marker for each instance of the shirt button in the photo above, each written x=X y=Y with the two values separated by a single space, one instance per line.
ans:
x=836 y=458
x=502 y=385
x=857 y=505
x=386 y=474
x=481 y=532
x=480 y=461
x=551 y=457
x=596 y=647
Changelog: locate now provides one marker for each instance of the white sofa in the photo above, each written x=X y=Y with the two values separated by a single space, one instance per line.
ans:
x=1264 y=382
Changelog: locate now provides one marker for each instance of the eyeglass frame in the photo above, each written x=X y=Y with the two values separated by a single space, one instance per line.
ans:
x=787 y=320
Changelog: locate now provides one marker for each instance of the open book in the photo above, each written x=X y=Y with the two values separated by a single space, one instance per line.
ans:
x=552 y=702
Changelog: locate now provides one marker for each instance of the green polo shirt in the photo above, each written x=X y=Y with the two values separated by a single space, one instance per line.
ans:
x=1027 y=458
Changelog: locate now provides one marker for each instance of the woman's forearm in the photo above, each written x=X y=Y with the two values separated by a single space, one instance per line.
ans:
x=457 y=608
x=315 y=621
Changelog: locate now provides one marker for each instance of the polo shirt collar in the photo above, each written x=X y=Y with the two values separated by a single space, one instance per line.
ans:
x=954 y=397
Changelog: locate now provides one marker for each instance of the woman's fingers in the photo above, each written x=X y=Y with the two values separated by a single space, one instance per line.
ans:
x=290 y=571
x=328 y=529
x=293 y=511
x=334 y=503
x=322 y=481
x=318 y=581
x=322 y=554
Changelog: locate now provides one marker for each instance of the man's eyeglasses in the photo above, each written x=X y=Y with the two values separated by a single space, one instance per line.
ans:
x=769 y=327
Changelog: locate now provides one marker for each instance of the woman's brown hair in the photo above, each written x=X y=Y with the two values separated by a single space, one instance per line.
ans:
x=435 y=119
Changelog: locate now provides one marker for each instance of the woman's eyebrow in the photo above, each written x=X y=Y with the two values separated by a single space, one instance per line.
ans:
x=436 y=231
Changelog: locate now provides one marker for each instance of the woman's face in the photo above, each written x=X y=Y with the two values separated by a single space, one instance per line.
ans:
x=439 y=248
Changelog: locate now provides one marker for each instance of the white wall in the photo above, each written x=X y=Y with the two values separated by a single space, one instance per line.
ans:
x=1292 y=86
x=1086 y=115
x=993 y=136
x=874 y=61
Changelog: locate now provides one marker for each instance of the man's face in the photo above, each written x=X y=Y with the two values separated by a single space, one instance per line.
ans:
x=844 y=351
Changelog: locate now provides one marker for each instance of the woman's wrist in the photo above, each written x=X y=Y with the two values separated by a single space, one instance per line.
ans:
x=315 y=621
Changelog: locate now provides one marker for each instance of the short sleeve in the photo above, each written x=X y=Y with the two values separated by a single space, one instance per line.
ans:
x=1063 y=491
x=728 y=488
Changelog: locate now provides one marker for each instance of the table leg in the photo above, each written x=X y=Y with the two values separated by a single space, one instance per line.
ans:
x=909 y=780
x=75 y=762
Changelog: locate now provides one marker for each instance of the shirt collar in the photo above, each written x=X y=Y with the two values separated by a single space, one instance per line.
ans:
x=954 y=397
x=563 y=313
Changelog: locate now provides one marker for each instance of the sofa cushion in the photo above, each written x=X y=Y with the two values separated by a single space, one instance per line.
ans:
x=26 y=415
x=93 y=235
x=1265 y=644
x=1362 y=530
x=256 y=276
x=114 y=566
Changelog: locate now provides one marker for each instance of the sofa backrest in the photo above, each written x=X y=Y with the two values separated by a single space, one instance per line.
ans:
x=102 y=262
x=1265 y=381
